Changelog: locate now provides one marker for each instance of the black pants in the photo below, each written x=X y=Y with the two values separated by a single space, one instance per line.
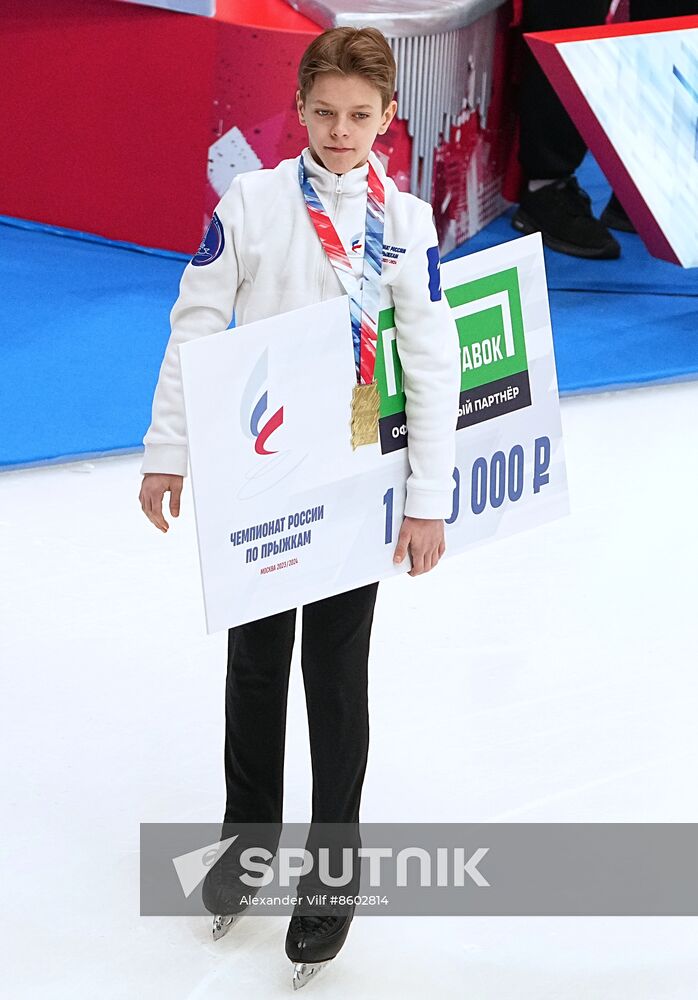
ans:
x=334 y=656
x=550 y=145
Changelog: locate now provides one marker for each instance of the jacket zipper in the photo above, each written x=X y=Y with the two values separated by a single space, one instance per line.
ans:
x=335 y=209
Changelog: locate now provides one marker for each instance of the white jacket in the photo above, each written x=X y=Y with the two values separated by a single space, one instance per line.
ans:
x=265 y=258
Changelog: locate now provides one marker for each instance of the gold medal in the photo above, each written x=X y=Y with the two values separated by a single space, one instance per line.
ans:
x=365 y=409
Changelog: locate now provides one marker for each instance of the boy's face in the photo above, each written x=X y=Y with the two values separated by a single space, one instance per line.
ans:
x=343 y=116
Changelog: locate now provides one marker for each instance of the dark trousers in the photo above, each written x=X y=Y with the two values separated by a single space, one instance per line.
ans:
x=334 y=657
x=648 y=10
x=549 y=143
x=550 y=146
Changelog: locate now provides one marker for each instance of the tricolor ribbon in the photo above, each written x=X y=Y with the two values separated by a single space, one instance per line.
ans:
x=363 y=309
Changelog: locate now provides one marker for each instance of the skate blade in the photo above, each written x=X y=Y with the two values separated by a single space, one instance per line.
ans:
x=303 y=972
x=222 y=923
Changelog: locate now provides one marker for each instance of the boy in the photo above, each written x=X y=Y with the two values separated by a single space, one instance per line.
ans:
x=306 y=231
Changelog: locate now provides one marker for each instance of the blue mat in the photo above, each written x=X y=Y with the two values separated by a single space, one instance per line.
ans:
x=87 y=322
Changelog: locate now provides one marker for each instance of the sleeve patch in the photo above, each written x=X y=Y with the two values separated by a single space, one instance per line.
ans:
x=211 y=245
x=434 y=262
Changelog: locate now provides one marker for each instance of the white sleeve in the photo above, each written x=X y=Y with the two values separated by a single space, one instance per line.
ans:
x=429 y=349
x=205 y=305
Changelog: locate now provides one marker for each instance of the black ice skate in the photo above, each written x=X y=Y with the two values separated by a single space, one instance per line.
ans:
x=312 y=941
x=222 y=893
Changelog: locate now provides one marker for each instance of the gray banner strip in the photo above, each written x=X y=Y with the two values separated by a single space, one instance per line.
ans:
x=497 y=869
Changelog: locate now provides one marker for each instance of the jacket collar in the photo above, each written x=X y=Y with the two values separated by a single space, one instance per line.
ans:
x=354 y=181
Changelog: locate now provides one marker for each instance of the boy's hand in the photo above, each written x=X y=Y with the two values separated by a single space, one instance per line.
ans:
x=153 y=489
x=425 y=538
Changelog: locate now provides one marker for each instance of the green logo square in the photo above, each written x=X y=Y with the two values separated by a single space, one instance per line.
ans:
x=490 y=328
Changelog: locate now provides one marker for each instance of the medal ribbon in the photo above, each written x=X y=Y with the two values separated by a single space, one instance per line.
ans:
x=363 y=310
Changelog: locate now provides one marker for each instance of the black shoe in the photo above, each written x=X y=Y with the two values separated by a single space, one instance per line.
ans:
x=615 y=217
x=222 y=891
x=561 y=212
x=312 y=939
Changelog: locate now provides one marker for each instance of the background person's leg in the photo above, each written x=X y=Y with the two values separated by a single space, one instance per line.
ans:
x=551 y=149
x=648 y=10
x=550 y=145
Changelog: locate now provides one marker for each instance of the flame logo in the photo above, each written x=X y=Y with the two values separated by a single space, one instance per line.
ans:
x=254 y=407
x=258 y=426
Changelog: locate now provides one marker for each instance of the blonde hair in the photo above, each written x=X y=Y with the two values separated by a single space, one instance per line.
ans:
x=363 y=52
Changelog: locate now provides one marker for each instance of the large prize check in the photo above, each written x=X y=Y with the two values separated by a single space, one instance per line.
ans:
x=287 y=512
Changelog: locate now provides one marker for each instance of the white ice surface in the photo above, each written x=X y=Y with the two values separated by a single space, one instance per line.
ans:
x=548 y=677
